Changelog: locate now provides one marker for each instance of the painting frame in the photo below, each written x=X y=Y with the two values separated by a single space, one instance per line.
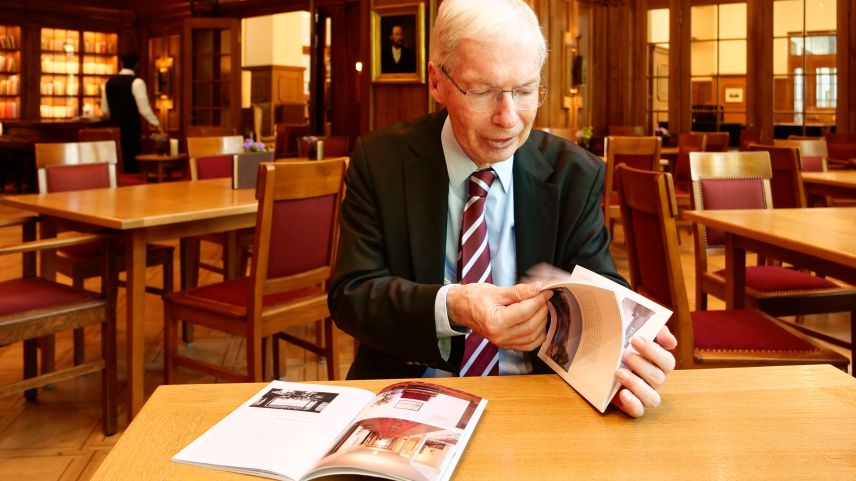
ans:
x=409 y=67
x=733 y=95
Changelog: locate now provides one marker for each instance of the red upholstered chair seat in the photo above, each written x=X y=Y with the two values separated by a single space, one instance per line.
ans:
x=236 y=293
x=769 y=279
x=743 y=330
x=33 y=293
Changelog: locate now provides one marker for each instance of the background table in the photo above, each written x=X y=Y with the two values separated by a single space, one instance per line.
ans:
x=771 y=423
x=158 y=164
x=146 y=213
x=820 y=239
x=836 y=183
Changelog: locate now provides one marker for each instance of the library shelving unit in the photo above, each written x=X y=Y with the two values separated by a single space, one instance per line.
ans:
x=71 y=76
x=10 y=72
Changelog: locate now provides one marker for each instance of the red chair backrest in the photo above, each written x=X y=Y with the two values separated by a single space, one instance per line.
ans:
x=214 y=167
x=65 y=178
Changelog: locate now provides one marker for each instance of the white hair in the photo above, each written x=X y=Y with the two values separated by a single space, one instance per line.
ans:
x=458 y=20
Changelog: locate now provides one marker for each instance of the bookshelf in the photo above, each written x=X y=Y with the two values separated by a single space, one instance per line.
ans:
x=74 y=66
x=10 y=72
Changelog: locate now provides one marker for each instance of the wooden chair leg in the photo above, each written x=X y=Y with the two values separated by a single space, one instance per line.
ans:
x=31 y=367
x=189 y=273
x=79 y=341
x=332 y=353
x=274 y=350
x=170 y=349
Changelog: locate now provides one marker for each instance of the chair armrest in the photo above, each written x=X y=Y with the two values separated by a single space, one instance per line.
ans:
x=52 y=243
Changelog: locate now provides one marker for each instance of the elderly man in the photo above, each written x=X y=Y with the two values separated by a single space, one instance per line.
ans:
x=446 y=212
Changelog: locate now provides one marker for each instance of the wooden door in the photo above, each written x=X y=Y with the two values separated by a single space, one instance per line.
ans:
x=212 y=73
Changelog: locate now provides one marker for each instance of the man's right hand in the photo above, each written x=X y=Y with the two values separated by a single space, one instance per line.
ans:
x=510 y=317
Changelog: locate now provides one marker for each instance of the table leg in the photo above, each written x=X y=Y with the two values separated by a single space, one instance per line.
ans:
x=160 y=171
x=735 y=274
x=135 y=262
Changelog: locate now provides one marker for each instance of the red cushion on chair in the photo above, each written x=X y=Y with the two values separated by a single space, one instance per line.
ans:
x=743 y=330
x=129 y=179
x=214 y=167
x=812 y=163
x=32 y=293
x=236 y=292
x=743 y=193
x=776 y=279
x=65 y=178
x=300 y=230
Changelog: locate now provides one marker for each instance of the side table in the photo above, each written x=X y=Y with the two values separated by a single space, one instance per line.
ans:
x=156 y=165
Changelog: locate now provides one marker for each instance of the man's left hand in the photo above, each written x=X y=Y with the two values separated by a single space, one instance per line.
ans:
x=646 y=372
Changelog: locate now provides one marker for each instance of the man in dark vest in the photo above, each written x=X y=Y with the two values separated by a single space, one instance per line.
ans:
x=123 y=100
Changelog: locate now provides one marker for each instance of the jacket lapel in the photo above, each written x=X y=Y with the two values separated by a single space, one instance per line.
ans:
x=535 y=208
x=426 y=184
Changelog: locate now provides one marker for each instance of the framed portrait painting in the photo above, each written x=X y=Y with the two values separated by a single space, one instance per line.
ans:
x=398 y=43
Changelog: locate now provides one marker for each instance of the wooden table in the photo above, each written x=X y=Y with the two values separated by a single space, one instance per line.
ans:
x=145 y=213
x=156 y=165
x=820 y=239
x=836 y=183
x=766 y=423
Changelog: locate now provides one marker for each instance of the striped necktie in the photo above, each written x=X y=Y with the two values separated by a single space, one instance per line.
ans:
x=481 y=358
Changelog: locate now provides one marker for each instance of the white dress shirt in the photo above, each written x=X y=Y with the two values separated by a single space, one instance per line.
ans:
x=138 y=89
x=499 y=215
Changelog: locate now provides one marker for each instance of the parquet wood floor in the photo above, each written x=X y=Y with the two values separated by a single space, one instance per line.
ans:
x=58 y=438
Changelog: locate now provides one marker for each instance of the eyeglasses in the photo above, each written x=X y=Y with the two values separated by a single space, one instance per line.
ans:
x=485 y=100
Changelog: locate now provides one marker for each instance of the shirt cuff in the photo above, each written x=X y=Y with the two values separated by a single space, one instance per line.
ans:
x=441 y=322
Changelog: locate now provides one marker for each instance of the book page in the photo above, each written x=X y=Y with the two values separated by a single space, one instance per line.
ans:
x=590 y=329
x=409 y=431
x=280 y=433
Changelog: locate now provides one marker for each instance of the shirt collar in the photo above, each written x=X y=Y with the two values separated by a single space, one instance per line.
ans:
x=460 y=166
x=126 y=71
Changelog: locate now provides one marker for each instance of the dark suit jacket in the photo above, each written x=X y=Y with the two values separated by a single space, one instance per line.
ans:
x=406 y=63
x=392 y=246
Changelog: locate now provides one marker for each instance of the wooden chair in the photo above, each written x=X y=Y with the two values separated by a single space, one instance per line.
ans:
x=562 y=132
x=740 y=337
x=34 y=307
x=748 y=136
x=842 y=149
x=286 y=139
x=638 y=152
x=95 y=134
x=716 y=141
x=741 y=180
x=210 y=131
x=334 y=145
x=209 y=158
x=813 y=153
x=294 y=246
x=73 y=166
x=626 y=130
x=687 y=142
x=786 y=184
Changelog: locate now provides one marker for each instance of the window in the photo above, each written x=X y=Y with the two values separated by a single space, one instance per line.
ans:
x=718 y=67
x=805 y=74
x=658 y=69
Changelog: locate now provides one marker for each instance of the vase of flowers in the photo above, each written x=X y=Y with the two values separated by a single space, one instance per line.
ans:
x=584 y=136
x=251 y=145
x=161 y=143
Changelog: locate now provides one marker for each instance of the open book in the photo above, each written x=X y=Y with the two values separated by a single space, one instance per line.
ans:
x=592 y=320
x=292 y=431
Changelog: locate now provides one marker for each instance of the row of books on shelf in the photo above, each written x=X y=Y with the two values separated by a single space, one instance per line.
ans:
x=8 y=63
x=9 y=86
x=8 y=41
x=61 y=87
x=73 y=67
x=9 y=109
